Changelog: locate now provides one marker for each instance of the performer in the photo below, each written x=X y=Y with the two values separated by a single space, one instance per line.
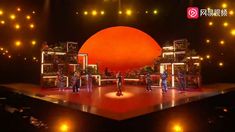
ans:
x=89 y=82
x=148 y=82
x=119 y=84
x=164 y=76
x=181 y=80
x=60 y=80
x=76 y=82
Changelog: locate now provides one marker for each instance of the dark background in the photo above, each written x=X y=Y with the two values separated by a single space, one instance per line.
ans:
x=57 y=21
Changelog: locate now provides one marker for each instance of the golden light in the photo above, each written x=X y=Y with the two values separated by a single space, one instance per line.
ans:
x=18 y=9
x=177 y=128
x=34 y=58
x=31 y=25
x=208 y=41
x=113 y=95
x=129 y=12
x=2 y=22
x=9 y=56
x=102 y=12
x=146 y=12
x=231 y=12
x=224 y=5
x=155 y=12
x=64 y=127
x=201 y=59
x=1 y=12
x=208 y=56
x=221 y=64
x=222 y=42
x=17 y=26
x=94 y=12
x=33 y=12
x=28 y=17
x=225 y=24
x=210 y=23
x=1 y=48
x=233 y=32
x=225 y=110
x=33 y=42
x=18 y=43
x=12 y=16
x=119 y=12
x=6 y=51
x=85 y=12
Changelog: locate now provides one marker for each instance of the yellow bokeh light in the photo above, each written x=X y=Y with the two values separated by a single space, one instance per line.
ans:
x=31 y=25
x=119 y=12
x=146 y=12
x=210 y=23
x=225 y=24
x=128 y=12
x=34 y=58
x=233 y=32
x=1 y=48
x=28 y=17
x=224 y=5
x=17 y=43
x=85 y=12
x=94 y=12
x=221 y=64
x=9 y=56
x=155 y=12
x=201 y=59
x=64 y=127
x=102 y=12
x=33 y=42
x=208 y=41
x=2 y=22
x=231 y=12
x=33 y=12
x=18 y=9
x=12 y=16
x=17 y=26
x=222 y=42
x=208 y=56
x=1 y=12
x=177 y=128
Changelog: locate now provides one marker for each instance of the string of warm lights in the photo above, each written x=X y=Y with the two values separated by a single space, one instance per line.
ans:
x=127 y=12
x=5 y=52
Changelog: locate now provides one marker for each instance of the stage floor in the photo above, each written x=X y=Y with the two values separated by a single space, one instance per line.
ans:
x=136 y=101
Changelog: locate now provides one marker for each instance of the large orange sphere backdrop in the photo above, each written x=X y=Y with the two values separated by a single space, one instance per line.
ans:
x=121 y=48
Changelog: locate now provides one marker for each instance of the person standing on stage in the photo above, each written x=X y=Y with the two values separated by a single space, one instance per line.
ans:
x=76 y=82
x=181 y=80
x=119 y=84
x=89 y=82
x=148 y=82
x=60 y=80
x=164 y=76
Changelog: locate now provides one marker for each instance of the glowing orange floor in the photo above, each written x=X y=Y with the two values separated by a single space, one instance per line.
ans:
x=136 y=100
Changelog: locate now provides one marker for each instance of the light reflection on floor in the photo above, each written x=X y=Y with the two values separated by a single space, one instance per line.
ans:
x=113 y=95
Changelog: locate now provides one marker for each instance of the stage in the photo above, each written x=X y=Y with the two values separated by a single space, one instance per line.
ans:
x=136 y=101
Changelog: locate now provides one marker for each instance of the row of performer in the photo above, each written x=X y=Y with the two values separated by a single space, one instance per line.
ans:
x=76 y=81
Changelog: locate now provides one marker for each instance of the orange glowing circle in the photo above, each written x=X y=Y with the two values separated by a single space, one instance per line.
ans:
x=121 y=48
